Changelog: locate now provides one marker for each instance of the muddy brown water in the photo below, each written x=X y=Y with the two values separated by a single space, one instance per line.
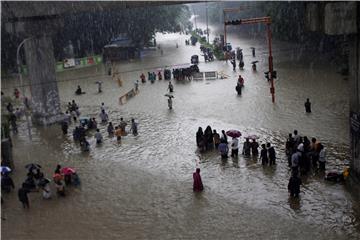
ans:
x=142 y=188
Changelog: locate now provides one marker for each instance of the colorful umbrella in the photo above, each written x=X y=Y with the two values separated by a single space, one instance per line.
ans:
x=67 y=171
x=5 y=169
x=57 y=177
x=233 y=133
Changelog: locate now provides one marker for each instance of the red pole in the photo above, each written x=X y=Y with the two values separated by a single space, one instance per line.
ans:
x=224 y=27
x=224 y=34
x=272 y=88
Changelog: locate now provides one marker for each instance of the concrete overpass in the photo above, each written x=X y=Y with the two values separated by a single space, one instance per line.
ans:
x=16 y=11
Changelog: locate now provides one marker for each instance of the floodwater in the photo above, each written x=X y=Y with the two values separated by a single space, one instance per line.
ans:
x=142 y=188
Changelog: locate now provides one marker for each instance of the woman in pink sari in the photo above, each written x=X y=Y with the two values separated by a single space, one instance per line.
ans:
x=198 y=186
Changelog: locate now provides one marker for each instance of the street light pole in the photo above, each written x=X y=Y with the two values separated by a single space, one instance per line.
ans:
x=21 y=82
x=207 y=24
x=194 y=17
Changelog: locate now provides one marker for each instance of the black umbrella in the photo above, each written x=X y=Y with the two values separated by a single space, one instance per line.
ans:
x=32 y=166
x=43 y=182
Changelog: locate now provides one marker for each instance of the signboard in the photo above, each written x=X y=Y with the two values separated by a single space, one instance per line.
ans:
x=198 y=76
x=68 y=63
x=77 y=62
x=210 y=75
x=90 y=60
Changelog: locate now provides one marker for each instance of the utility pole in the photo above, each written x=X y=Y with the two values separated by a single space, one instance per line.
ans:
x=194 y=16
x=207 y=23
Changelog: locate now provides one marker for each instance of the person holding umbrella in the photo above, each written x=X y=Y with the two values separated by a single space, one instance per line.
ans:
x=45 y=186
x=6 y=181
x=68 y=172
x=32 y=166
x=234 y=147
x=171 y=87
x=99 y=83
x=169 y=100
x=170 y=103
x=235 y=142
x=5 y=169
x=23 y=195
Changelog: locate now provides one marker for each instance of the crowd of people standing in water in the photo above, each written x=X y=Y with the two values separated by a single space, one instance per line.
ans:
x=302 y=154
x=36 y=181
x=210 y=139
x=87 y=124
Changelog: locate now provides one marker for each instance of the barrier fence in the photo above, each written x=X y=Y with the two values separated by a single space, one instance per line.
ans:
x=124 y=98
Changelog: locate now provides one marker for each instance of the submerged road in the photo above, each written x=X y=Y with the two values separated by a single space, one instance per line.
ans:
x=142 y=188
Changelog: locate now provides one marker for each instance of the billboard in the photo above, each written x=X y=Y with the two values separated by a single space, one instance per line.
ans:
x=68 y=63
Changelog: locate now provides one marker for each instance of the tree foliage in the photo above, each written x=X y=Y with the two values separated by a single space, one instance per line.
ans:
x=94 y=30
x=90 y=31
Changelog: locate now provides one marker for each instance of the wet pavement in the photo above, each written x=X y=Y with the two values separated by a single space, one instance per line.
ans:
x=142 y=188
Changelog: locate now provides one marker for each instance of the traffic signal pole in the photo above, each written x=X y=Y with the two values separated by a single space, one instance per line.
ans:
x=267 y=21
x=271 y=70
x=228 y=10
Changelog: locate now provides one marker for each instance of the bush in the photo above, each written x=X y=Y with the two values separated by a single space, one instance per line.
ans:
x=218 y=52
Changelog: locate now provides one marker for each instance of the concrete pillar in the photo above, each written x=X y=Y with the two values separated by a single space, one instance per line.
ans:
x=354 y=67
x=40 y=61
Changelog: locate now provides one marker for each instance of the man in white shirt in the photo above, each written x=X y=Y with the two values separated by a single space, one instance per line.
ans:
x=104 y=117
x=98 y=136
x=322 y=157
x=234 y=147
